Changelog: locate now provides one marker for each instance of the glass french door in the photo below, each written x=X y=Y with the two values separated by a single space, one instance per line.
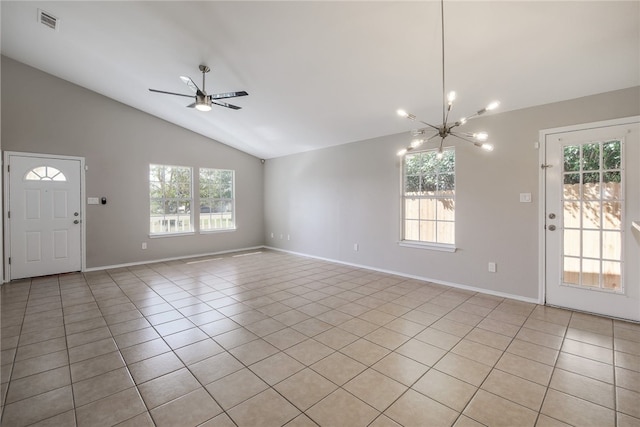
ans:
x=592 y=211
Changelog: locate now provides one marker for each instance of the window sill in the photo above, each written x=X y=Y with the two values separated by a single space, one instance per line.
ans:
x=222 y=230
x=159 y=235
x=429 y=246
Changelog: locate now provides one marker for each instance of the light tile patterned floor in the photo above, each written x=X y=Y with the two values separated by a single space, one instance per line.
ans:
x=271 y=339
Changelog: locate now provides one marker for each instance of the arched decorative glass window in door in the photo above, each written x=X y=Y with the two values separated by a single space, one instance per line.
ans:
x=45 y=173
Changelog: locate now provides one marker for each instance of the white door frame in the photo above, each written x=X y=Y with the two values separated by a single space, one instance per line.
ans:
x=7 y=195
x=542 y=208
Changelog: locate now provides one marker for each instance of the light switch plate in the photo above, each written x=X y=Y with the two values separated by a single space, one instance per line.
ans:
x=525 y=197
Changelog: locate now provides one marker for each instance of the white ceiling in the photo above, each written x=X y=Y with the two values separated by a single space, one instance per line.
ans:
x=327 y=73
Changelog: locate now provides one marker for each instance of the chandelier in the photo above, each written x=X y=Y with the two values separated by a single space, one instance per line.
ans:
x=423 y=135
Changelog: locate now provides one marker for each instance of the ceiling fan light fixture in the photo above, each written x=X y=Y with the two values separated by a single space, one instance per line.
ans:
x=203 y=103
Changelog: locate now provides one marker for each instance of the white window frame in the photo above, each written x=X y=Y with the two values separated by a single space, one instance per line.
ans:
x=191 y=229
x=431 y=245
x=211 y=201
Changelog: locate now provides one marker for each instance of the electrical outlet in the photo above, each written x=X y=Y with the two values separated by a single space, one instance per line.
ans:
x=288 y=237
x=144 y=245
x=356 y=247
x=493 y=267
x=272 y=235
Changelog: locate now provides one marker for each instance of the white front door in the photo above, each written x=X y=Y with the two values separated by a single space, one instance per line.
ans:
x=592 y=208
x=44 y=215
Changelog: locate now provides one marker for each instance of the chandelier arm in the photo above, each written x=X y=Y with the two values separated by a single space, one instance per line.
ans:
x=430 y=125
x=465 y=138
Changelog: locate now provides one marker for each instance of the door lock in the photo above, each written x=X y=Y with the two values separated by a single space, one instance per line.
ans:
x=76 y=214
x=552 y=216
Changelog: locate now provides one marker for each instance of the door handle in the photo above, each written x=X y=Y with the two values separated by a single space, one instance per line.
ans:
x=76 y=222
x=552 y=227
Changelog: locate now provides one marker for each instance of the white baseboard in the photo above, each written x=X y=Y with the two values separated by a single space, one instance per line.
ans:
x=152 y=261
x=411 y=276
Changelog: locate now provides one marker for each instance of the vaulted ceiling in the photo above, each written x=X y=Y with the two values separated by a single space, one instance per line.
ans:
x=326 y=73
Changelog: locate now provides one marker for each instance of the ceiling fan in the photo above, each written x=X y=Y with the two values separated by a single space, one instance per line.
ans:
x=204 y=101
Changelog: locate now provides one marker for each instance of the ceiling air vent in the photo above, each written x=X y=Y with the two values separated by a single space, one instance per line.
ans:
x=48 y=20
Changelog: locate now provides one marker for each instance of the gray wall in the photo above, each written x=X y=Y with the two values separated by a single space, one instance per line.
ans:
x=329 y=199
x=44 y=114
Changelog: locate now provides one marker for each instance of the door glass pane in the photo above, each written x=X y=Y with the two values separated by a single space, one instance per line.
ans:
x=611 y=272
x=591 y=244
x=591 y=185
x=571 y=188
x=612 y=215
x=571 y=273
x=571 y=214
x=591 y=273
x=612 y=245
x=572 y=242
x=592 y=215
x=591 y=157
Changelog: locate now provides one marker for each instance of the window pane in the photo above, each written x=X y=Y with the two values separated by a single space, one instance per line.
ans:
x=170 y=199
x=411 y=209
x=591 y=157
x=572 y=158
x=446 y=232
x=446 y=209
x=412 y=185
x=428 y=209
x=612 y=154
x=216 y=199
x=428 y=231
x=412 y=230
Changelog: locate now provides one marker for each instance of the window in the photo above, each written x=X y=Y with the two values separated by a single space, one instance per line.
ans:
x=170 y=196
x=428 y=198
x=216 y=199
x=45 y=173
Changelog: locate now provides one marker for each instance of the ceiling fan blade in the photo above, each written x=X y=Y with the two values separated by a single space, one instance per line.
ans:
x=224 y=104
x=170 y=93
x=228 y=95
x=194 y=87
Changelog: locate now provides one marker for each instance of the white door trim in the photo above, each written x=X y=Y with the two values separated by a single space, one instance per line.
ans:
x=542 y=208
x=7 y=195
